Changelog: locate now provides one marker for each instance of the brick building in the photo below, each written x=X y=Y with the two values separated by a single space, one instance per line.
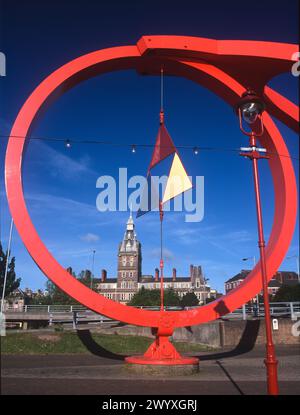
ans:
x=279 y=279
x=130 y=278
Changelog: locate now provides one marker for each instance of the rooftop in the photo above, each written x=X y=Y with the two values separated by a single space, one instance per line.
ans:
x=288 y=277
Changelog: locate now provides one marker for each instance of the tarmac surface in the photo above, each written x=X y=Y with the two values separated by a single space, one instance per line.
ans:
x=226 y=372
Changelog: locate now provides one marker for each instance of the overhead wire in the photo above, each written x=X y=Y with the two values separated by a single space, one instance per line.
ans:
x=70 y=141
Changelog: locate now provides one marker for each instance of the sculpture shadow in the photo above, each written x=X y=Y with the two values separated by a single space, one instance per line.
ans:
x=95 y=348
x=221 y=308
x=245 y=345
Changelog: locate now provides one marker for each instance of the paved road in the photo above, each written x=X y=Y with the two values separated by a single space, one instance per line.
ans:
x=220 y=373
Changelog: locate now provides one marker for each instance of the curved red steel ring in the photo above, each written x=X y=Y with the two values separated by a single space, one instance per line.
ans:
x=130 y=57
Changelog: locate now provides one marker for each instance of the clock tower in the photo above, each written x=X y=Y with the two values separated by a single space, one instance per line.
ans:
x=129 y=259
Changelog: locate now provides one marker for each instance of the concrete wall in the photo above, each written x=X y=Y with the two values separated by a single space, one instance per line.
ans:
x=208 y=333
x=281 y=336
x=222 y=333
x=239 y=333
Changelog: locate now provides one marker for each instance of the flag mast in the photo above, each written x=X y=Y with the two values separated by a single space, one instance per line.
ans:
x=161 y=211
x=163 y=148
x=161 y=264
x=161 y=351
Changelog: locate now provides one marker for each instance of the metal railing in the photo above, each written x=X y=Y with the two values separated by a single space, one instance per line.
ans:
x=56 y=314
x=77 y=317
x=45 y=308
x=277 y=309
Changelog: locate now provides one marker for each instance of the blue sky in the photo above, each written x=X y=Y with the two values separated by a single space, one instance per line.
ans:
x=60 y=184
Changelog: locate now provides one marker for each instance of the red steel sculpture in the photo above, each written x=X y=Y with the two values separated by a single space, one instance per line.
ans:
x=226 y=67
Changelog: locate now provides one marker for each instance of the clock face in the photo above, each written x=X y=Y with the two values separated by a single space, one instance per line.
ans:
x=124 y=261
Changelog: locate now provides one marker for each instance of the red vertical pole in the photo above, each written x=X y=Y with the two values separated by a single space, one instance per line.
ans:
x=161 y=212
x=161 y=216
x=270 y=361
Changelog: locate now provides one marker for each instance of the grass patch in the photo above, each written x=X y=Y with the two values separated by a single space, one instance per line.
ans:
x=64 y=342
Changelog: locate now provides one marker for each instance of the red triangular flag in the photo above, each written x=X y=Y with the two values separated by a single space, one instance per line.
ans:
x=164 y=146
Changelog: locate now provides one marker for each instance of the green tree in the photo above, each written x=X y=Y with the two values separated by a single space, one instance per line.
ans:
x=145 y=297
x=261 y=298
x=56 y=296
x=209 y=300
x=171 y=298
x=12 y=282
x=189 y=300
x=39 y=300
x=85 y=277
x=288 y=293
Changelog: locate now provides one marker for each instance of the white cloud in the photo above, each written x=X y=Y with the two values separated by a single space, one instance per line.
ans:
x=167 y=254
x=90 y=237
x=238 y=236
x=59 y=164
x=214 y=235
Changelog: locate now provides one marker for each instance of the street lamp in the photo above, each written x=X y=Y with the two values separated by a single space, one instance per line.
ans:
x=249 y=109
x=254 y=263
x=93 y=262
x=6 y=264
x=250 y=257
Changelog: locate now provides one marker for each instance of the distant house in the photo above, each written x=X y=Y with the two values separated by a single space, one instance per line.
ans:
x=15 y=300
x=235 y=281
x=287 y=277
x=19 y=298
x=279 y=279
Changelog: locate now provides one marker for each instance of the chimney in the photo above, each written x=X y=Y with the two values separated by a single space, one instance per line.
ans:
x=103 y=275
x=156 y=274
x=174 y=274
x=191 y=271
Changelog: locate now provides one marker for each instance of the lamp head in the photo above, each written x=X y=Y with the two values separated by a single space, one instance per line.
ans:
x=68 y=144
x=250 y=106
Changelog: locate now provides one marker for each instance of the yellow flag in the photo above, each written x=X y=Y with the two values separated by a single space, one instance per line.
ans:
x=178 y=181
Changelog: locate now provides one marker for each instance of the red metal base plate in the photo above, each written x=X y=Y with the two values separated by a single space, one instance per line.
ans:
x=143 y=360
